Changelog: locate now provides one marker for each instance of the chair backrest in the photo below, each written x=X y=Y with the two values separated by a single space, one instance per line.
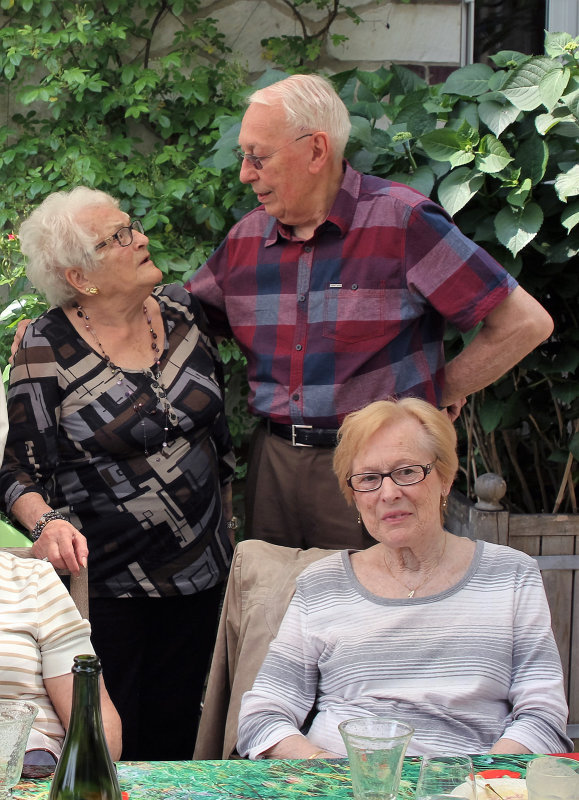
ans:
x=260 y=587
x=78 y=584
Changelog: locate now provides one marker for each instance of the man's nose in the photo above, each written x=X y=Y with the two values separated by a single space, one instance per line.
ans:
x=247 y=172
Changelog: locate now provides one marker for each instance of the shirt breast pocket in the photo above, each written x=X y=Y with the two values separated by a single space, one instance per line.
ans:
x=354 y=313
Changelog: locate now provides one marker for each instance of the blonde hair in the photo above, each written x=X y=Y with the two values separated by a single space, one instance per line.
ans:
x=53 y=240
x=359 y=427
x=310 y=103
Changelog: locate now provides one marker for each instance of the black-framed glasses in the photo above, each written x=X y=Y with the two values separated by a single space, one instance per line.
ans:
x=403 y=476
x=124 y=235
x=255 y=161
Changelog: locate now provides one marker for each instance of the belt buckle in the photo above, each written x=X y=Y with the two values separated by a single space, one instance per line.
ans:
x=294 y=429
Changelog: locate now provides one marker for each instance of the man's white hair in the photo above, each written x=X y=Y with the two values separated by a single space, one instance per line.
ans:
x=310 y=103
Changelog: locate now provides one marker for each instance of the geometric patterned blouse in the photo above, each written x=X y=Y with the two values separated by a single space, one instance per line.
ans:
x=140 y=482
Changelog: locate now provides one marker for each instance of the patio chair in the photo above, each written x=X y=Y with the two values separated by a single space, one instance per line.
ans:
x=260 y=587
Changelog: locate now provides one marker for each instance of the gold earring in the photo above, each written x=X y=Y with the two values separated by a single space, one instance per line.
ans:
x=359 y=519
x=92 y=290
x=444 y=502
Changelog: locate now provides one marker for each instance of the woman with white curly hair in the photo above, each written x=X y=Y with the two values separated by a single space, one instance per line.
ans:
x=119 y=456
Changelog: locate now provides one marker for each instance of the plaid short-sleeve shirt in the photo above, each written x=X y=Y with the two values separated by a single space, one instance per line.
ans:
x=356 y=313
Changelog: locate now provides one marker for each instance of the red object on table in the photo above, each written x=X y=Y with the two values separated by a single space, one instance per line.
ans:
x=566 y=755
x=489 y=774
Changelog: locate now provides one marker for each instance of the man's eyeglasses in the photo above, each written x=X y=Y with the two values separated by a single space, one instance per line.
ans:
x=403 y=476
x=255 y=161
x=124 y=235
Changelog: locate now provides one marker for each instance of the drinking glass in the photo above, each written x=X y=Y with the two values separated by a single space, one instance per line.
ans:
x=375 y=747
x=16 y=718
x=552 y=778
x=446 y=778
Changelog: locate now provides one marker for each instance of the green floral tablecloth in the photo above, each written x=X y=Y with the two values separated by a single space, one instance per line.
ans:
x=252 y=780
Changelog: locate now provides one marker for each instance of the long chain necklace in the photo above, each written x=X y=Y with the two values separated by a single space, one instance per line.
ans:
x=153 y=374
x=412 y=592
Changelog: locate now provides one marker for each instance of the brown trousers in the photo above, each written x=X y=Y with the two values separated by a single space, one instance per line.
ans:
x=292 y=497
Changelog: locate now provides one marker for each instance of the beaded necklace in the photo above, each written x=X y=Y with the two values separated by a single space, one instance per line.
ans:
x=153 y=374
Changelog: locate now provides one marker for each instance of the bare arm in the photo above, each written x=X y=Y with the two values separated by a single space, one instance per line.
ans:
x=60 y=542
x=297 y=746
x=59 y=690
x=508 y=746
x=508 y=334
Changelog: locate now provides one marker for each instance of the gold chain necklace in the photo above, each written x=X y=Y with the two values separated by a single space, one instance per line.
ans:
x=412 y=592
x=170 y=418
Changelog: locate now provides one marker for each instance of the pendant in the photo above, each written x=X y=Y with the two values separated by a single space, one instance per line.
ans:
x=412 y=593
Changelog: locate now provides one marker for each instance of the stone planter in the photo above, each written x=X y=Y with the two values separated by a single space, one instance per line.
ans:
x=553 y=540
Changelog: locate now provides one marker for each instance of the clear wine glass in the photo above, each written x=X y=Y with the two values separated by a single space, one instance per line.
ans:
x=446 y=777
x=16 y=718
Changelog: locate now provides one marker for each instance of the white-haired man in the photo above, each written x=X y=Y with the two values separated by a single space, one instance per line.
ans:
x=337 y=288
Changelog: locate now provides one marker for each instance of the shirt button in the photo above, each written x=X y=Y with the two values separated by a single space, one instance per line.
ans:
x=308 y=248
x=354 y=286
x=298 y=347
x=301 y=298
x=295 y=397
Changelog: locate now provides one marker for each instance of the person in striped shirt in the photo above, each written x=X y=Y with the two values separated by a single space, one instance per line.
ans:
x=41 y=631
x=449 y=635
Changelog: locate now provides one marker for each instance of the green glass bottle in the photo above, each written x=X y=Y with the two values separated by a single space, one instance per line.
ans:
x=85 y=770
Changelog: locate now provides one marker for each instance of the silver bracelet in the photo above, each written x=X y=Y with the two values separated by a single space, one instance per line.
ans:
x=47 y=517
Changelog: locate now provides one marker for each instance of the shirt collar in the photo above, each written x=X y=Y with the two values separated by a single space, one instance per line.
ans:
x=340 y=216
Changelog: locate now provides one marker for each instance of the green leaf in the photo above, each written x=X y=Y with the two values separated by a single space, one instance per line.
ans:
x=515 y=229
x=422 y=179
x=546 y=122
x=490 y=414
x=570 y=217
x=509 y=58
x=447 y=145
x=458 y=188
x=574 y=446
x=518 y=196
x=361 y=130
x=469 y=81
x=567 y=183
x=493 y=156
x=552 y=86
x=532 y=158
x=522 y=87
x=557 y=44
x=566 y=392
x=497 y=116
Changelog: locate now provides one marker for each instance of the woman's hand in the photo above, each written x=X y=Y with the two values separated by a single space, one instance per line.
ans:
x=63 y=545
x=60 y=542
x=297 y=746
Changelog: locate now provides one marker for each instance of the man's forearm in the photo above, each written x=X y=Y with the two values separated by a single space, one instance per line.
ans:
x=508 y=334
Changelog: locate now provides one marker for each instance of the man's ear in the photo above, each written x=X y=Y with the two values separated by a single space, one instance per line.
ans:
x=320 y=152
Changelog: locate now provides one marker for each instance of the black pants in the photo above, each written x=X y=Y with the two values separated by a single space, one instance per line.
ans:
x=155 y=654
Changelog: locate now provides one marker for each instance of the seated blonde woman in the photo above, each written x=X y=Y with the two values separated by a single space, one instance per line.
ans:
x=40 y=633
x=449 y=635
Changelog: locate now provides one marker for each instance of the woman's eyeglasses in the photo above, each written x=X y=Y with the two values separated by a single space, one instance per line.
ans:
x=124 y=235
x=403 y=476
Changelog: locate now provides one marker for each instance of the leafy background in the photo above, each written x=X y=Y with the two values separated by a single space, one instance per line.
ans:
x=496 y=145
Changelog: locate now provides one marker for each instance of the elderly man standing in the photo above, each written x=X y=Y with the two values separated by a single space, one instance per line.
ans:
x=337 y=288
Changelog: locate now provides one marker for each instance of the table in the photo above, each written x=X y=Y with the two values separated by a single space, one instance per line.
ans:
x=253 y=780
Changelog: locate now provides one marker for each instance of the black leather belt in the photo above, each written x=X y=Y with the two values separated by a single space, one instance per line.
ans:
x=304 y=435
